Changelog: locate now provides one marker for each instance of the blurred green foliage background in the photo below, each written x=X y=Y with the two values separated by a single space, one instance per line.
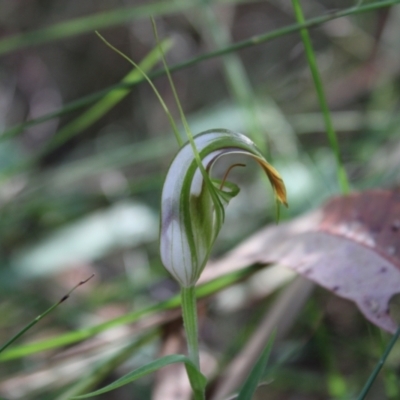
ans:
x=80 y=193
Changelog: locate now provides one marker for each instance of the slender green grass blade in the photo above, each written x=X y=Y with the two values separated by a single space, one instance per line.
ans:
x=319 y=87
x=379 y=365
x=41 y=316
x=250 y=386
x=73 y=337
x=145 y=370
x=253 y=41
x=29 y=326
x=204 y=290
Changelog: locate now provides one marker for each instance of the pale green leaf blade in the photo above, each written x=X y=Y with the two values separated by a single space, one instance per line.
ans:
x=96 y=374
x=145 y=370
x=250 y=386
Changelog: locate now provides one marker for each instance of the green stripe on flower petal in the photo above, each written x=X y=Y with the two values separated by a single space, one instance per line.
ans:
x=192 y=213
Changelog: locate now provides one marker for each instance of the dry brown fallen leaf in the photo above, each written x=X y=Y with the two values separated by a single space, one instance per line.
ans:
x=350 y=246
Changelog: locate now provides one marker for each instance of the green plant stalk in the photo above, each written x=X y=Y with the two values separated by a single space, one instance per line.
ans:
x=189 y=315
x=379 y=365
x=253 y=41
x=330 y=130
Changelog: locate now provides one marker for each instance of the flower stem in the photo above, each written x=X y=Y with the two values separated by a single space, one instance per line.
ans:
x=189 y=314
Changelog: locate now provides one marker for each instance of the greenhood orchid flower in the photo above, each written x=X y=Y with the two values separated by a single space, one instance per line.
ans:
x=192 y=208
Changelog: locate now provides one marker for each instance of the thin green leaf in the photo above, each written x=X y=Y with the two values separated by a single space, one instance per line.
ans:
x=197 y=381
x=103 y=368
x=250 y=386
x=145 y=370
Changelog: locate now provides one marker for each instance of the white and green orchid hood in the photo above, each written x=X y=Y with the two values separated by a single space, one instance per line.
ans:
x=192 y=208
